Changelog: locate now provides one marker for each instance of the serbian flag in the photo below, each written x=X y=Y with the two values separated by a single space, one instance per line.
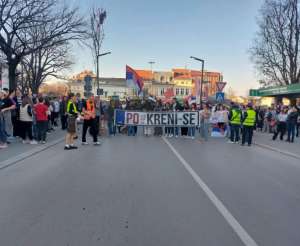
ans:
x=133 y=79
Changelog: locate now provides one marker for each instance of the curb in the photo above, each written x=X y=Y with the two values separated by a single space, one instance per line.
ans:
x=11 y=161
x=264 y=146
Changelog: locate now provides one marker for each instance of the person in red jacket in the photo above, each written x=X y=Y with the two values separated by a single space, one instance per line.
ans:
x=41 y=112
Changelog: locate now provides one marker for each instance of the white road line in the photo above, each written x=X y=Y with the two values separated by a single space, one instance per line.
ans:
x=239 y=230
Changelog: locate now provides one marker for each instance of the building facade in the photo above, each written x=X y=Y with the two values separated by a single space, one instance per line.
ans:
x=183 y=82
x=111 y=86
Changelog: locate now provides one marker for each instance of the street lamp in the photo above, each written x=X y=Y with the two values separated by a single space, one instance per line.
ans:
x=103 y=54
x=202 y=74
x=151 y=65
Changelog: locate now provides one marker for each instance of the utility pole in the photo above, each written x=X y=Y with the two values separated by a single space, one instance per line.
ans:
x=98 y=82
x=151 y=65
x=202 y=77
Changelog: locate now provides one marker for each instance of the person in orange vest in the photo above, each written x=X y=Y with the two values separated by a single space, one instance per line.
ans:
x=89 y=115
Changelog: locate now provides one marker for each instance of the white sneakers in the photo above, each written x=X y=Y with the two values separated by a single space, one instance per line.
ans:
x=95 y=143
x=3 y=146
x=32 y=142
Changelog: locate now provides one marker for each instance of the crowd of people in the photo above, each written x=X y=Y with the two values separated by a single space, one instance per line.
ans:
x=237 y=122
x=30 y=118
x=26 y=118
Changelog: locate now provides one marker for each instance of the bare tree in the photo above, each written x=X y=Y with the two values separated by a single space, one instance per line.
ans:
x=18 y=17
x=45 y=63
x=96 y=34
x=275 y=51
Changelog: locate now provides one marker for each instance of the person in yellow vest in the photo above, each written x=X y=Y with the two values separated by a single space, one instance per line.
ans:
x=89 y=115
x=235 y=117
x=249 y=119
x=72 y=114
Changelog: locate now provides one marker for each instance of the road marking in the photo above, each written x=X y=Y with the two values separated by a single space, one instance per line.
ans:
x=239 y=230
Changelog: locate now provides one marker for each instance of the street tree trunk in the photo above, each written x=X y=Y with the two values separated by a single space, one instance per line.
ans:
x=12 y=75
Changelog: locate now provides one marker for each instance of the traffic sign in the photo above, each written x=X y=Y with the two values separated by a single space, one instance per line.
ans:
x=221 y=86
x=220 y=96
x=99 y=92
x=88 y=80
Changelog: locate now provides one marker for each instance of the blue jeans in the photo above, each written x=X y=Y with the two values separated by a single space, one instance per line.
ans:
x=111 y=128
x=247 y=134
x=42 y=127
x=291 y=127
x=176 y=129
x=169 y=130
x=3 y=136
x=204 y=130
x=131 y=131
x=192 y=131
x=235 y=133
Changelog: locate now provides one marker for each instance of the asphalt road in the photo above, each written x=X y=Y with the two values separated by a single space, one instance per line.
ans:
x=141 y=191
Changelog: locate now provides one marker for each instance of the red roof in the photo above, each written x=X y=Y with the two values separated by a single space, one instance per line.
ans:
x=183 y=77
x=145 y=74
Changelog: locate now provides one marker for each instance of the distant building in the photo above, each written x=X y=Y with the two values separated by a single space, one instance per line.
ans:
x=182 y=81
x=111 y=86
x=210 y=79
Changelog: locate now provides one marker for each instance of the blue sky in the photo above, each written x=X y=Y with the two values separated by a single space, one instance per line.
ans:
x=170 y=31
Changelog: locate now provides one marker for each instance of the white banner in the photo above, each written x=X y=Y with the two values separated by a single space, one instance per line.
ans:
x=158 y=118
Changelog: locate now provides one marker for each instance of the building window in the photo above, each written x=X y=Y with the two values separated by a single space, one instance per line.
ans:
x=187 y=92
x=162 y=78
x=182 y=91
x=177 y=91
x=162 y=91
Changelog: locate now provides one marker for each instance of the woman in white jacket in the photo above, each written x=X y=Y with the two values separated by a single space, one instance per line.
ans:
x=26 y=120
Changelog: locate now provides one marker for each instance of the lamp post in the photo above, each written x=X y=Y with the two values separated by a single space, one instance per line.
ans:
x=202 y=75
x=151 y=65
x=103 y=54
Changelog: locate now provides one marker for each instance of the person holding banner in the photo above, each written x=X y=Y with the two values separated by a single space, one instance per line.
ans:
x=185 y=130
x=176 y=107
x=192 y=130
x=131 y=129
x=148 y=106
x=169 y=131
x=158 y=131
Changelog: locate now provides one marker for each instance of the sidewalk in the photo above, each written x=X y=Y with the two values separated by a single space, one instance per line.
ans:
x=17 y=148
x=265 y=140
